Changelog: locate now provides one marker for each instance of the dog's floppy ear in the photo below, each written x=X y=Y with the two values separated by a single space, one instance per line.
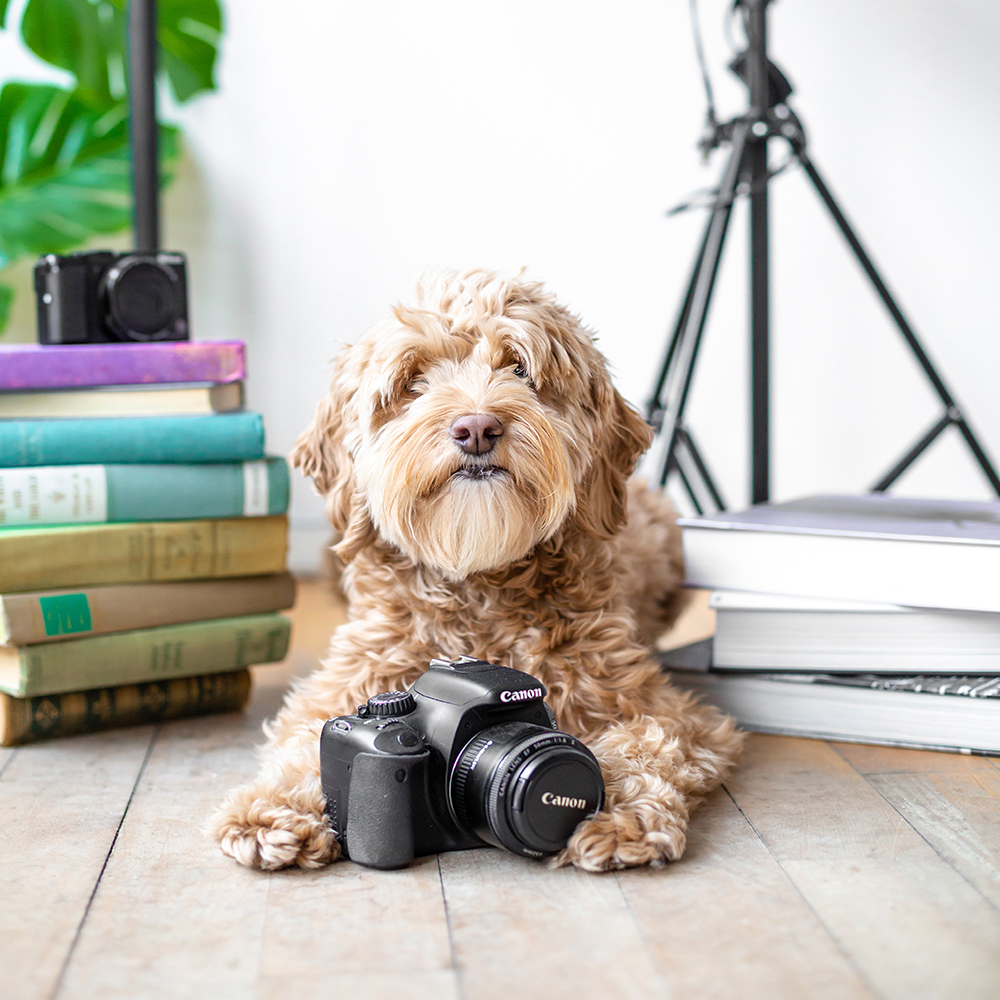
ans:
x=624 y=436
x=321 y=453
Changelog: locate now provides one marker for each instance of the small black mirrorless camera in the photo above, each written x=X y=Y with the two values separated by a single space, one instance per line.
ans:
x=100 y=297
x=469 y=756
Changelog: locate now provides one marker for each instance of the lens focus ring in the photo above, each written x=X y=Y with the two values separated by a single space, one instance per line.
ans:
x=525 y=787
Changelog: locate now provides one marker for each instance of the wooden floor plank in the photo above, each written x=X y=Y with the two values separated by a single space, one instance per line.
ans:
x=887 y=760
x=522 y=930
x=175 y=918
x=61 y=804
x=726 y=921
x=891 y=901
x=954 y=806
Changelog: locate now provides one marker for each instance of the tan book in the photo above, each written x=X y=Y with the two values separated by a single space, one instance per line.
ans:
x=149 y=654
x=54 y=615
x=47 y=558
x=25 y=720
x=129 y=401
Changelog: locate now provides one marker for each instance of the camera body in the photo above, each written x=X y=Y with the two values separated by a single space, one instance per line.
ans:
x=100 y=297
x=470 y=756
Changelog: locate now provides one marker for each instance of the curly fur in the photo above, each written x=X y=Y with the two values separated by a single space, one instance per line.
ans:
x=540 y=554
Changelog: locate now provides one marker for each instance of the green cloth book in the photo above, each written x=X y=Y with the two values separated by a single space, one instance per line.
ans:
x=49 y=558
x=89 y=494
x=219 y=437
x=152 y=654
x=47 y=716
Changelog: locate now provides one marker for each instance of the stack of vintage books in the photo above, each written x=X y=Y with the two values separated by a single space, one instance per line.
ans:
x=143 y=536
x=873 y=619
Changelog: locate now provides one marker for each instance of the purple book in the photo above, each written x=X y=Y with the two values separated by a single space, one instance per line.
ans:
x=33 y=366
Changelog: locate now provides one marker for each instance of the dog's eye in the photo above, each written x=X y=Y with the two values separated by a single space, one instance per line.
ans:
x=520 y=371
x=416 y=385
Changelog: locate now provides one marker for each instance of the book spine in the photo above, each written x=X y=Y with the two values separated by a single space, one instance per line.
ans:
x=172 y=400
x=51 y=616
x=149 y=654
x=26 y=720
x=140 y=552
x=223 y=437
x=31 y=366
x=84 y=494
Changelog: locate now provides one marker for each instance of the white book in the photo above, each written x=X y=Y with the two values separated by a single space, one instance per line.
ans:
x=770 y=632
x=940 y=713
x=873 y=548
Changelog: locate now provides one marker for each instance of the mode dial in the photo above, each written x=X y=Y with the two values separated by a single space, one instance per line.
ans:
x=392 y=703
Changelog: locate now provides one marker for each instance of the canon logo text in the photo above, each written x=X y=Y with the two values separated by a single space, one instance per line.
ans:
x=548 y=799
x=506 y=696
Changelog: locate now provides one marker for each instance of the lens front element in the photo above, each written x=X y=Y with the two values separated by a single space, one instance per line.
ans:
x=525 y=788
x=142 y=298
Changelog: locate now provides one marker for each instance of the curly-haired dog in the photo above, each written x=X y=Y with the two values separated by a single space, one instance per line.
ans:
x=474 y=456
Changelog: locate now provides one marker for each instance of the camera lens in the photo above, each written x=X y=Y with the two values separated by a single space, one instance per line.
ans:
x=143 y=298
x=525 y=788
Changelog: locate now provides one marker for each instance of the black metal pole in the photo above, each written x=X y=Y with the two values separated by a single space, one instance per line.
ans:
x=760 y=365
x=142 y=119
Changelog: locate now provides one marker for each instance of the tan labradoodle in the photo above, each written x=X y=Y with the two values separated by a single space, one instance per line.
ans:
x=475 y=456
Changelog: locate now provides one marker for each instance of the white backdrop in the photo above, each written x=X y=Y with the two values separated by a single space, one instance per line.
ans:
x=355 y=145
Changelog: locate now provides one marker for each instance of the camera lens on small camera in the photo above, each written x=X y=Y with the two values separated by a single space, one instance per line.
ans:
x=525 y=788
x=143 y=298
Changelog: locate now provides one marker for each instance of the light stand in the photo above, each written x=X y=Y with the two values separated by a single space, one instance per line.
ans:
x=142 y=124
x=768 y=117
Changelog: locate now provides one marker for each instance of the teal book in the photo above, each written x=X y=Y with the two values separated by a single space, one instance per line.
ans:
x=218 y=437
x=94 y=494
x=150 y=654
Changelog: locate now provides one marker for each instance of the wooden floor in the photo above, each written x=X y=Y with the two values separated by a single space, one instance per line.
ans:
x=820 y=871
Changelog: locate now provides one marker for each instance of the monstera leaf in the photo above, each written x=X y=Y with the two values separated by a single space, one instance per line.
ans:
x=65 y=171
x=88 y=38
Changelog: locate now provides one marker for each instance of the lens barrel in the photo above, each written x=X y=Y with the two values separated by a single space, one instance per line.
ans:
x=525 y=788
x=143 y=298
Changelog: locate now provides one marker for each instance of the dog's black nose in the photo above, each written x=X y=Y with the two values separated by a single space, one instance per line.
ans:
x=476 y=433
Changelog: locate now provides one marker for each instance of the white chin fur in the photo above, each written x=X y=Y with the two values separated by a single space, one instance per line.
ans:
x=471 y=526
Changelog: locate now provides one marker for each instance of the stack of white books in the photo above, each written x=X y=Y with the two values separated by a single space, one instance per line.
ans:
x=871 y=618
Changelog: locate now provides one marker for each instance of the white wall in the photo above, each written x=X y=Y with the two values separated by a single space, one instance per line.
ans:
x=355 y=145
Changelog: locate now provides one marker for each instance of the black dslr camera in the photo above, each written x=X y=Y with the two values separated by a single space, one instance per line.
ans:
x=100 y=297
x=469 y=756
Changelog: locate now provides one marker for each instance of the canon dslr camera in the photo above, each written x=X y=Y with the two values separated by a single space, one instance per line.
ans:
x=100 y=297
x=469 y=756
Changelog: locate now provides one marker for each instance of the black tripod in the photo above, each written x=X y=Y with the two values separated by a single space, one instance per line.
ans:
x=747 y=171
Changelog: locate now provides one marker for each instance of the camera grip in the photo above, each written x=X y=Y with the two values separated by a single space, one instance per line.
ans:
x=380 y=808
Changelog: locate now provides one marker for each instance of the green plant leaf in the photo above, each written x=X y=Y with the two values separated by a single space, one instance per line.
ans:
x=6 y=300
x=3 y=13
x=89 y=38
x=64 y=170
x=81 y=37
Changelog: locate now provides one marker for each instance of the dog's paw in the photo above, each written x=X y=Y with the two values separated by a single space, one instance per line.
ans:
x=261 y=834
x=624 y=838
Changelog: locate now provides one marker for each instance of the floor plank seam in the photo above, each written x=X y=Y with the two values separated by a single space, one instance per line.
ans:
x=972 y=885
x=661 y=974
x=6 y=763
x=455 y=966
x=837 y=943
x=64 y=968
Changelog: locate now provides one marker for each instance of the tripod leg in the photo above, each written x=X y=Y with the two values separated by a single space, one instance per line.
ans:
x=685 y=440
x=912 y=455
x=953 y=410
x=677 y=382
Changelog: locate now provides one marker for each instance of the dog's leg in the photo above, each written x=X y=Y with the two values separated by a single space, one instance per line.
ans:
x=656 y=767
x=278 y=820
